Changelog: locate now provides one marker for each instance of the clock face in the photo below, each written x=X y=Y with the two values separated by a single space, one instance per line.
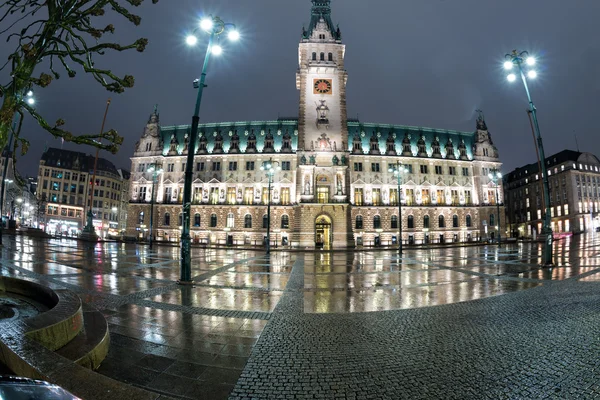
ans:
x=322 y=86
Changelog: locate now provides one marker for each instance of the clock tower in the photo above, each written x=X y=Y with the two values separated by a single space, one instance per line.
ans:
x=322 y=175
x=321 y=79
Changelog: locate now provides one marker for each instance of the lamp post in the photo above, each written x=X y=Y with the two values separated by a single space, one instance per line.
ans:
x=28 y=97
x=495 y=176
x=88 y=231
x=397 y=170
x=215 y=27
x=517 y=60
x=155 y=172
x=268 y=168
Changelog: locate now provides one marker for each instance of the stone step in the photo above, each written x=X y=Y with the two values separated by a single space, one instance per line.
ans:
x=90 y=346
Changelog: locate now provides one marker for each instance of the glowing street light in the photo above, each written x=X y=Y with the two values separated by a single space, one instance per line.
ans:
x=191 y=40
x=511 y=77
x=518 y=59
x=215 y=27
x=206 y=24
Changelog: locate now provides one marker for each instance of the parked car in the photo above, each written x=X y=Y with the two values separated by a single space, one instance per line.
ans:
x=16 y=388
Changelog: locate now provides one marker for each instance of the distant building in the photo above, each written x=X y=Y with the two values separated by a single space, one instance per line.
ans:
x=333 y=188
x=64 y=184
x=574 y=181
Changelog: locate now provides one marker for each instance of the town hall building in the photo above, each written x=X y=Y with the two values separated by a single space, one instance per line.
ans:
x=332 y=187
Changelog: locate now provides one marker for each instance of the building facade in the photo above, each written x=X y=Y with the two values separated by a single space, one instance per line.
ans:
x=64 y=185
x=332 y=187
x=574 y=182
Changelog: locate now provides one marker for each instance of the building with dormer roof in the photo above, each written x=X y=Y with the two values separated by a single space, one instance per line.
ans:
x=334 y=188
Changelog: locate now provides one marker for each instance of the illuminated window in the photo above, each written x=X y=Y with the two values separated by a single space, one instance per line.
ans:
x=230 y=220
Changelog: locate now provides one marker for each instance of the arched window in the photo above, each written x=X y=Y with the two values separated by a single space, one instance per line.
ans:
x=441 y=221
x=492 y=220
x=330 y=57
x=180 y=219
x=455 y=221
x=141 y=218
x=167 y=219
x=196 y=219
x=213 y=220
x=426 y=222
x=265 y=221
x=359 y=222
x=377 y=222
x=314 y=56
x=322 y=56
x=468 y=221
x=248 y=221
x=230 y=220
x=285 y=222
x=394 y=223
x=411 y=221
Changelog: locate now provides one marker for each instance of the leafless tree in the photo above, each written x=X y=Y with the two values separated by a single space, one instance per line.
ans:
x=56 y=36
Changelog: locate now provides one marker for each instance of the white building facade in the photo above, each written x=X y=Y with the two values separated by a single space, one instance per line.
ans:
x=333 y=188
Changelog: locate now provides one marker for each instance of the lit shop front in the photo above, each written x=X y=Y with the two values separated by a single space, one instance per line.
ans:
x=63 y=227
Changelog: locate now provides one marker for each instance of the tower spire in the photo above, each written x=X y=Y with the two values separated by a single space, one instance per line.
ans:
x=321 y=10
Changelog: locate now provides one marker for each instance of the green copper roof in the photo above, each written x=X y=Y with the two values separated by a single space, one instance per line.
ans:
x=321 y=9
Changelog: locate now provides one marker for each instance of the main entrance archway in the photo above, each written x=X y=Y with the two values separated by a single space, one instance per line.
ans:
x=323 y=232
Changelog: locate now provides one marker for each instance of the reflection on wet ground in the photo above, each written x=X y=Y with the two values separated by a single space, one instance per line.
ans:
x=193 y=342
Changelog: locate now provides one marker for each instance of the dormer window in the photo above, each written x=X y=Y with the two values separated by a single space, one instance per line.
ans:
x=374 y=145
x=422 y=148
x=202 y=145
x=286 y=146
x=148 y=146
x=251 y=146
x=435 y=146
x=218 y=143
x=356 y=145
x=268 y=143
x=235 y=144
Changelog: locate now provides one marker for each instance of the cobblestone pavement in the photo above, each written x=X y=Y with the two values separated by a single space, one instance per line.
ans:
x=296 y=323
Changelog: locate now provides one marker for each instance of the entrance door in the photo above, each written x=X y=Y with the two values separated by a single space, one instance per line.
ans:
x=323 y=233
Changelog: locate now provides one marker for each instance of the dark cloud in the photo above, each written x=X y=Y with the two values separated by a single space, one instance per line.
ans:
x=419 y=62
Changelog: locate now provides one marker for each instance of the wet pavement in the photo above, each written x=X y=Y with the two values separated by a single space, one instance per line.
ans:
x=290 y=321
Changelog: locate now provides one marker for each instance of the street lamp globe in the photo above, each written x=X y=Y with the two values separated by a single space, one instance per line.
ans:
x=31 y=101
x=206 y=24
x=217 y=50
x=532 y=74
x=234 y=35
x=530 y=61
x=191 y=40
x=499 y=175
x=490 y=176
x=30 y=93
x=508 y=65
x=511 y=77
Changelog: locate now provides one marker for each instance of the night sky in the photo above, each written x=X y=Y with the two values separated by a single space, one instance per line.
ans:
x=414 y=62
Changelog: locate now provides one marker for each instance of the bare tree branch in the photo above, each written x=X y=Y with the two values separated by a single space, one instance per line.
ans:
x=67 y=30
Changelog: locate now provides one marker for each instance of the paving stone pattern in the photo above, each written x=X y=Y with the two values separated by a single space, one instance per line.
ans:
x=435 y=323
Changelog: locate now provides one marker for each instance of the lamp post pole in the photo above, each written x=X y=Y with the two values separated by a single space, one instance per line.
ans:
x=215 y=27
x=269 y=215
x=495 y=176
x=517 y=59
x=398 y=170
x=268 y=168
x=155 y=173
